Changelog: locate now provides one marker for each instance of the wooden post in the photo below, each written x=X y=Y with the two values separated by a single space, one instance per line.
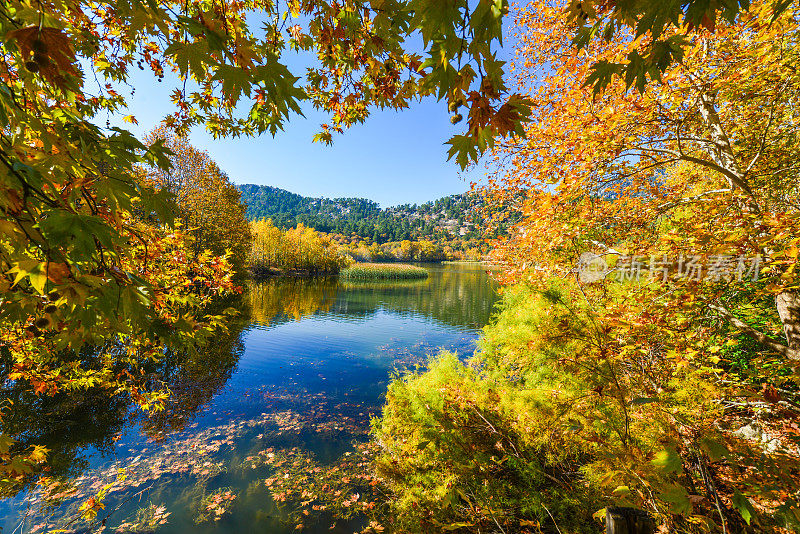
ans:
x=621 y=520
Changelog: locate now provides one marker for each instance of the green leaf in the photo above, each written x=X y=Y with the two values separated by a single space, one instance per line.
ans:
x=742 y=503
x=601 y=75
x=677 y=496
x=583 y=36
x=79 y=233
x=463 y=148
x=19 y=466
x=668 y=461
x=6 y=442
x=621 y=490
x=192 y=58
x=235 y=81
x=715 y=450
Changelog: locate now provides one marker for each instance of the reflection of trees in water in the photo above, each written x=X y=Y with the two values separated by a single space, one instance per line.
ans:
x=458 y=296
x=70 y=422
x=194 y=379
x=451 y=295
x=290 y=298
x=66 y=423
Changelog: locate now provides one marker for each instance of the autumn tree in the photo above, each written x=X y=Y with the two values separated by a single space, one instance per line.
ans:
x=429 y=251
x=701 y=168
x=664 y=377
x=661 y=33
x=630 y=159
x=300 y=249
x=208 y=205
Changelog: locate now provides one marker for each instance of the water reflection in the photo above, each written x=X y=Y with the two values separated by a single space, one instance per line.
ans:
x=75 y=425
x=461 y=296
x=290 y=298
x=298 y=375
x=452 y=295
x=194 y=380
x=67 y=424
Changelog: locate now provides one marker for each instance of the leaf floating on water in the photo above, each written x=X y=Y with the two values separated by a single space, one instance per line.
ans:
x=195 y=457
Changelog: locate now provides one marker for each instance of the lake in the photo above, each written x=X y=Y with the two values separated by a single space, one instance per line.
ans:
x=265 y=426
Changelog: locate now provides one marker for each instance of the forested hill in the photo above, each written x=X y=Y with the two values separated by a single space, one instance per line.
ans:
x=446 y=217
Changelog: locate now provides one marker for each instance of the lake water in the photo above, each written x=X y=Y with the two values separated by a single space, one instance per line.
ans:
x=266 y=426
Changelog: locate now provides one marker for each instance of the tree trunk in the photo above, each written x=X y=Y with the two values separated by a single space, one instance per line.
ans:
x=788 y=304
x=720 y=149
x=622 y=520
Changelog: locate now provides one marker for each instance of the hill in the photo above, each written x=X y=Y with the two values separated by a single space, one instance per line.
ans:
x=445 y=218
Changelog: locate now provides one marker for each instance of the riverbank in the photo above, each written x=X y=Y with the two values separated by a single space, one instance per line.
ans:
x=266 y=273
x=355 y=272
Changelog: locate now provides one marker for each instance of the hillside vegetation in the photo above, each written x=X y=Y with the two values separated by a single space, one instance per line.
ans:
x=445 y=218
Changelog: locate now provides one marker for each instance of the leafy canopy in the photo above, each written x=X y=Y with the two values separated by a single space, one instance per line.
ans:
x=686 y=377
x=662 y=29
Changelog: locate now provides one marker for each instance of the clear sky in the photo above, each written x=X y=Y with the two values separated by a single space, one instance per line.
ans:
x=394 y=158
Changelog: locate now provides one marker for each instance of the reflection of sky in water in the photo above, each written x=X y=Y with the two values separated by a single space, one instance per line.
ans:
x=340 y=357
x=318 y=378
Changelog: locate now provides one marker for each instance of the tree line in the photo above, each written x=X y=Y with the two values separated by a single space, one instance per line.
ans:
x=298 y=249
x=448 y=217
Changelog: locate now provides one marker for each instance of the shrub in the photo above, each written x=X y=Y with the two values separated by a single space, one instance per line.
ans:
x=455 y=458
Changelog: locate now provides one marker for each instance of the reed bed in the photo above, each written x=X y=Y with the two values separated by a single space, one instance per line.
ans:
x=383 y=271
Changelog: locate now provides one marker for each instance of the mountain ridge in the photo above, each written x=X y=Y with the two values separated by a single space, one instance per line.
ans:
x=443 y=218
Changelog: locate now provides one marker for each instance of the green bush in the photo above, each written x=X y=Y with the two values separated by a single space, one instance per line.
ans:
x=454 y=458
x=562 y=411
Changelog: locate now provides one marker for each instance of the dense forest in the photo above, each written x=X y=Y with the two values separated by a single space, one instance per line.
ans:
x=447 y=217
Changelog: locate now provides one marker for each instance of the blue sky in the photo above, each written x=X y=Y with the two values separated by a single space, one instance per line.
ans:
x=394 y=158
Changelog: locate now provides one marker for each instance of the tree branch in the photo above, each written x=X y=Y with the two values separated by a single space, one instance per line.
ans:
x=755 y=334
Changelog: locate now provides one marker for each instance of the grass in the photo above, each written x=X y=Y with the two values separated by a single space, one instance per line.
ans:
x=383 y=271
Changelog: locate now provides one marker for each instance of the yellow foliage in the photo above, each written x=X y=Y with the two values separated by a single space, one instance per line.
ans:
x=297 y=249
x=209 y=206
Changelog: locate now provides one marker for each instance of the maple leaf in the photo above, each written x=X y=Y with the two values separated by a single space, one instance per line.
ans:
x=235 y=81
x=50 y=49
x=5 y=443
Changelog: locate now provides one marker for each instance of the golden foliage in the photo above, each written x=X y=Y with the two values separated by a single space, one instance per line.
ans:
x=299 y=249
x=208 y=204
x=674 y=379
